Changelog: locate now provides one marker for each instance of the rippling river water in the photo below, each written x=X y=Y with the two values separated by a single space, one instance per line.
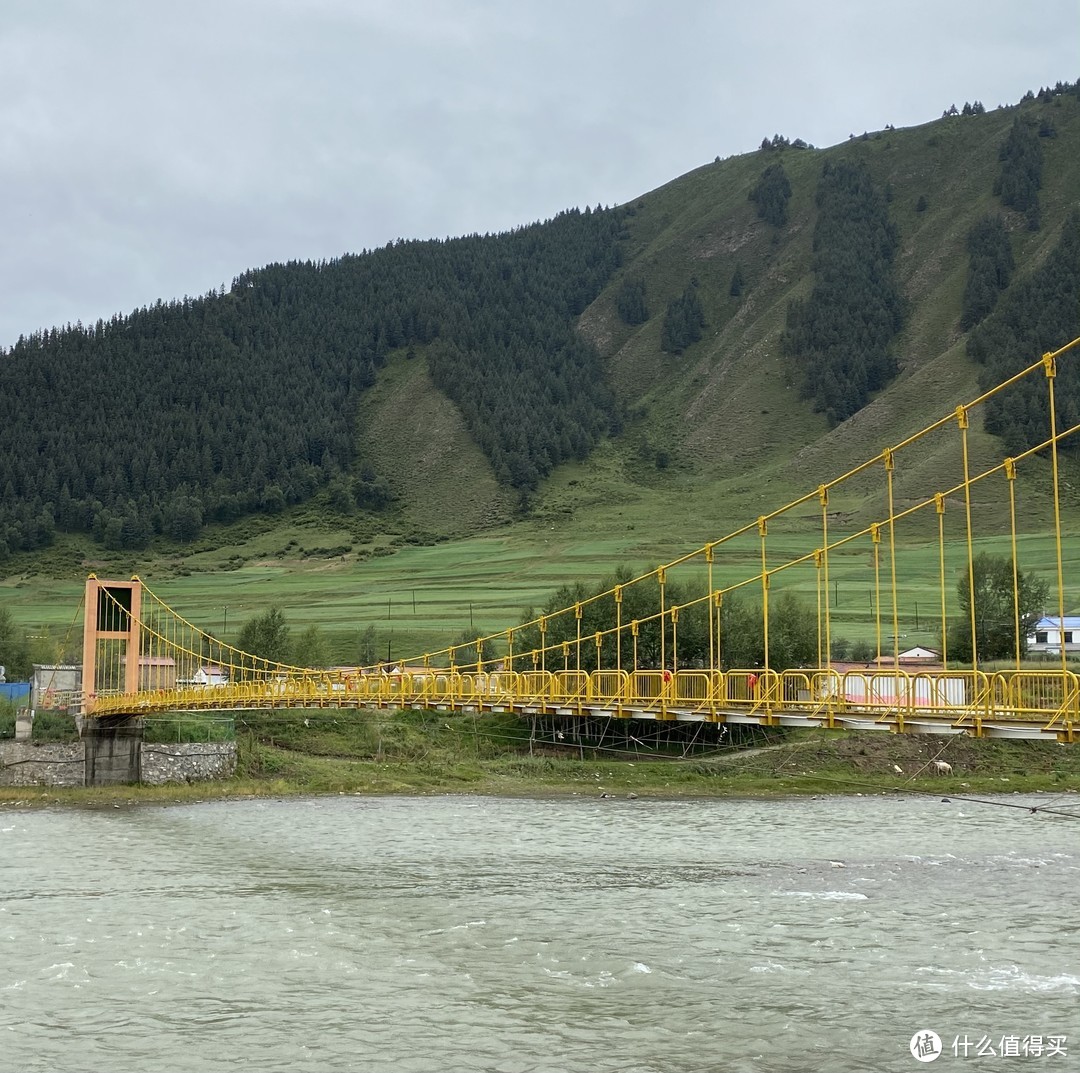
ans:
x=456 y=933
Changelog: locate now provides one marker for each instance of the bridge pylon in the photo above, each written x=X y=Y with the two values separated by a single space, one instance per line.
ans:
x=112 y=612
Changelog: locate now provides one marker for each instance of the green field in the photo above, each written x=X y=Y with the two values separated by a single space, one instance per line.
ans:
x=421 y=598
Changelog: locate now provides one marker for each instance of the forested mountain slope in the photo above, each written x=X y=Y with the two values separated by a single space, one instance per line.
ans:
x=788 y=310
x=245 y=401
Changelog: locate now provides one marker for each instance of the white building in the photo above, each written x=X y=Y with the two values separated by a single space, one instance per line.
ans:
x=210 y=674
x=917 y=656
x=1047 y=634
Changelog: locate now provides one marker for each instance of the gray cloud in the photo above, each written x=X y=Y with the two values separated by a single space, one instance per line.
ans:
x=152 y=149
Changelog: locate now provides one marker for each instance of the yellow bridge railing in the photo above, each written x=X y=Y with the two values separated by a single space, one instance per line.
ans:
x=1010 y=704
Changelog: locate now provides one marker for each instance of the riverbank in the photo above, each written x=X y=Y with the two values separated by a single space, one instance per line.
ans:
x=340 y=752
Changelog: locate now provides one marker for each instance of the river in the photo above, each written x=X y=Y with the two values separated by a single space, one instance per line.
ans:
x=581 y=934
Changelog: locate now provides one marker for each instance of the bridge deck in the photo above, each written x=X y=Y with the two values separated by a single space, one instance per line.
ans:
x=1020 y=704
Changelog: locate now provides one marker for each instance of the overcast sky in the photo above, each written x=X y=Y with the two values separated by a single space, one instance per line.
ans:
x=155 y=149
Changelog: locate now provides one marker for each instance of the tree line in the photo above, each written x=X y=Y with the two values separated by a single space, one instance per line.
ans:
x=738 y=636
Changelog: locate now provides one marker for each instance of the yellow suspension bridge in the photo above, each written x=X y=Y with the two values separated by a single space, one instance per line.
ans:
x=654 y=646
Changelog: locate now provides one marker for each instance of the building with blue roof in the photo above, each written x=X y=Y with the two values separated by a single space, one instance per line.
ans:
x=1047 y=635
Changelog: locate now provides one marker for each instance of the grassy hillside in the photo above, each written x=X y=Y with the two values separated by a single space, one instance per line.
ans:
x=731 y=401
x=709 y=438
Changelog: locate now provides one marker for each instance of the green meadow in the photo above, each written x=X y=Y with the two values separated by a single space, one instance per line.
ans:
x=420 y=598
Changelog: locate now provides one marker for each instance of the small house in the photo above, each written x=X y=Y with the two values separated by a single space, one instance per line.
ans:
x=210 y=674
x=914 y=657
x=1050 y=632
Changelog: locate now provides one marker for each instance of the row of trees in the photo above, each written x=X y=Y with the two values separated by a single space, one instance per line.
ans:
x=270 y=637
x=969 y=109
x=739 y=640
x=778 y=141
x=1047 y=93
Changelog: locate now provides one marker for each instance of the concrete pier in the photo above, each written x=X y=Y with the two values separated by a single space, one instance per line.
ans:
x=113 y=750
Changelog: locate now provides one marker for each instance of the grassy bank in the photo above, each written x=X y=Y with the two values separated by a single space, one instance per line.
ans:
x=338 y=752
